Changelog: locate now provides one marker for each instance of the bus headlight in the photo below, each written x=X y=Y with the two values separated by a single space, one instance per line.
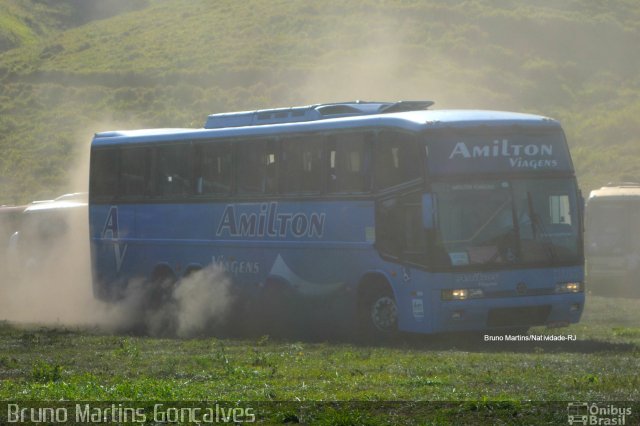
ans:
x=572 y=287
x=462 y=294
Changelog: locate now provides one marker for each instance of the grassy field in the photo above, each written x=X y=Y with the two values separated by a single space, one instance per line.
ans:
x=493 y=380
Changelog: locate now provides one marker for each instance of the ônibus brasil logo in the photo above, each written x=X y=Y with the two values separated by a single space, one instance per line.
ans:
x=584 y=413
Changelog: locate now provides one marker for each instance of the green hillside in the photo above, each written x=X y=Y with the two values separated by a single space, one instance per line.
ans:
x=69 y=68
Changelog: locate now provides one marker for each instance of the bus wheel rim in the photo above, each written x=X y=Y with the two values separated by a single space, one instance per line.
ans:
x=384 y=313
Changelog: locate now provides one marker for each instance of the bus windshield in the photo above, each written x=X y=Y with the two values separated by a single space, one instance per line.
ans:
x=503 y=222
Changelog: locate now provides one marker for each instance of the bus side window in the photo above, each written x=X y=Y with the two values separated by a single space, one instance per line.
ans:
x=560 y=209
x=134 y=176
x=257 y=164
x=251 y=167
x=349 y=163
x=397 y=159
x=399 y=230
x=389 y=228
x=271 y=172
x=301 y=165
x=172 y=170
x=213 y=169
x=104 y=173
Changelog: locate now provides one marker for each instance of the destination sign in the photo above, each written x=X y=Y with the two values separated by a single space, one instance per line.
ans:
x=466 y=152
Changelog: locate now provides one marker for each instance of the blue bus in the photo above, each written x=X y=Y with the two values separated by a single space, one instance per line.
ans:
x=389 y=215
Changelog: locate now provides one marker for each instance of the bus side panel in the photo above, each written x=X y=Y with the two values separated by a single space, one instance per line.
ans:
x=111 y=229
x=318 y=249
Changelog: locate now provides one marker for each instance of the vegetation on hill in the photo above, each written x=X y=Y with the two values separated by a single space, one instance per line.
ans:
x=69 y=68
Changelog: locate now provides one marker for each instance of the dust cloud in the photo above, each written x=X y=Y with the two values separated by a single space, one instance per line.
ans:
x=195 y=306
x=202 y=299
x=47 y=276
x=387 y=68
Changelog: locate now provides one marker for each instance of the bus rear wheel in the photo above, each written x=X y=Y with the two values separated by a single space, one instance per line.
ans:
x=160 y=289
x=160 y=310
x=378 y=313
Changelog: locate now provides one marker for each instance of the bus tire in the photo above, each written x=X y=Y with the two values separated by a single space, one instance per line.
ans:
x=275 y=308
x=161 y=311
x=161 y=287
x=378 y=312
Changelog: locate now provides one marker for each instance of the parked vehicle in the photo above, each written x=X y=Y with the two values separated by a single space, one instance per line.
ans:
x=613 y=239
x=10 y=217
x=42 y=226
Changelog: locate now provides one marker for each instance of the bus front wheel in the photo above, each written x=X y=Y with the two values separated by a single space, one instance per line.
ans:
x=378 y=312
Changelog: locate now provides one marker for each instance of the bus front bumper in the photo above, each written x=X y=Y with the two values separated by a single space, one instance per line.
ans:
x=509 y=313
